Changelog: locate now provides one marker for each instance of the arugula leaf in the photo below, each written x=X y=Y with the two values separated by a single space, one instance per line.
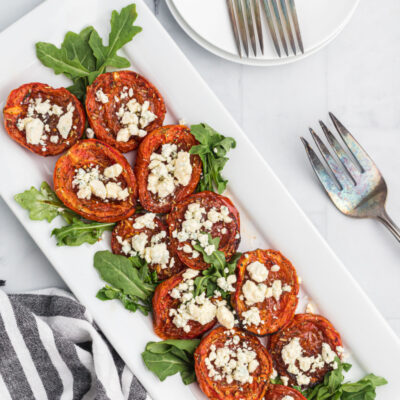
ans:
x=170 y=357
x=333 y=388
x=122 y=32
x=219 y=268
x=43 y=204
x=79 y=232
x=212 y=150
x=82 y=56
x=129 y=279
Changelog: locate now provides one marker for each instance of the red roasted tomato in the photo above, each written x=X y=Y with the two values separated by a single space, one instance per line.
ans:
x=167 y=299
x=280 y=392
x=122 y=107
x=44 y=120
x=201 y=214
x=146 y=235
x=306 y=336
x=274 y=277
x=96 y=181
x=165 y=172
x=248 y=379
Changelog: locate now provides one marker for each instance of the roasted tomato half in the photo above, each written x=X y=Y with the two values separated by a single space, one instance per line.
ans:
x=198 y=215
x=231 y=364
x=266 y=291
x=146 y=235
x=305 y=350
x=122 y=108
x=165 y=171
x=176 y=315
x=44 y=120
x=280 y=392
x=96 y=181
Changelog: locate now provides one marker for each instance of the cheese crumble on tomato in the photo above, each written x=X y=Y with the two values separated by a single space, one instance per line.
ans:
x=89 y=181
x=195 y=228
x=168 y=169
x=37 y=126
x=299 y=365
x=133 y=116
x=198 y=309
x=234 y=361
x=255 y=291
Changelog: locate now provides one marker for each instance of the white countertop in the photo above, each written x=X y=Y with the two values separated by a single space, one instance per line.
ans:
x=356 y=76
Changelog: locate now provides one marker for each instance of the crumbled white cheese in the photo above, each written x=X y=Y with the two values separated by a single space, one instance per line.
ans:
x=113 y=171
x=145 y=221
x=34 y=130
x=227 y=283
x=89 y=133
x=101 y=97
x=225 y=317
x=298 y=365
x=197 y=225
x=257 y=293
x=287 y=397
x=258 y=272
x=90 y=181
x=252 y=317
x=168 y=170
x=234 y=361
x=133 y=116
x=65 y=122
x=275 y=268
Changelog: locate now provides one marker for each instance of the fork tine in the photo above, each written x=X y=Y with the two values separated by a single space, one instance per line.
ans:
x=364 y=160
x=338 y=173
x=288 y=25
x=256 y=9
x=234 y=26
x=293 y=12
x=349 y=166
x=322 y=174
x=250 y=25
x=242 y=26
x=271 y=26
x=280 y=27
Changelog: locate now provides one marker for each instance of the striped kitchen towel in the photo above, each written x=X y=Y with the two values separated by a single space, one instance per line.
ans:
x=50 y=349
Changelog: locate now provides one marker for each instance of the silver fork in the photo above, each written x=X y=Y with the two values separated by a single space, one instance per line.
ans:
x=355 y=186
x=246 y=24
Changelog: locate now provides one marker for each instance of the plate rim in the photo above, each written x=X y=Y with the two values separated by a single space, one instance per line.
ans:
x=255 y=62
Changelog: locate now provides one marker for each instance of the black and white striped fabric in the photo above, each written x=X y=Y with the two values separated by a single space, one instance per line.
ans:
x=50 y=349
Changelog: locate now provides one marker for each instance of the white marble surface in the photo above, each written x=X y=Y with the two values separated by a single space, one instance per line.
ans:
x=356 y=76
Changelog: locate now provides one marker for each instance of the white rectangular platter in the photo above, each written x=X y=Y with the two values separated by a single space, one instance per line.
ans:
x=270 y=217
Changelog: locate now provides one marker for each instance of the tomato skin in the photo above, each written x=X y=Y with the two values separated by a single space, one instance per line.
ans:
x=16 y=108
x=274 y=314
x=312 y=330
x=162 y=322
x=278 y=392
x=86 y=152
x=102 y=117
x=229 y=241
x=125 y=230
x=173 y=134
x=221 y=390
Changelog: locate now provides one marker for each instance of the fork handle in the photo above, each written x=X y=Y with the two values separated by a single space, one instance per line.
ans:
x=389 y=223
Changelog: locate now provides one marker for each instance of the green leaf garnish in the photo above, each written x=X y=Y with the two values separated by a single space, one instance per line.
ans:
x=333 y=388
x=129 y=279
x=212 y=150
x=170 y=357
x=219 y=268
x=82 y=56
x=43 y=204
x=79 y=232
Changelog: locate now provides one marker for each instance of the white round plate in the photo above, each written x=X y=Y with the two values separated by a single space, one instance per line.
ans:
x=207 y=22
